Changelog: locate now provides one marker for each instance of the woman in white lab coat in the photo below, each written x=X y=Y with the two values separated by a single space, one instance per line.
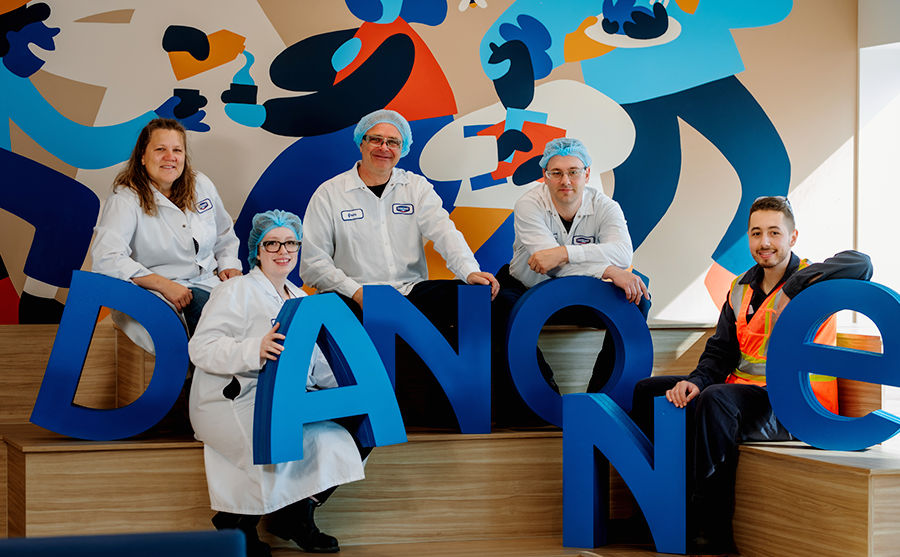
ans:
x=233 y=340
x=165 y=228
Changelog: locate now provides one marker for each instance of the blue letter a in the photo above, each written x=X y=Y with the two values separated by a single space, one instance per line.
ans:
x=282 y=403
x=466 y=376
x=655 y=474
x=55 y=409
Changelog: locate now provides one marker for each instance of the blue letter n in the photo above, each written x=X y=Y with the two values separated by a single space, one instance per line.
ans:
x=597 y=432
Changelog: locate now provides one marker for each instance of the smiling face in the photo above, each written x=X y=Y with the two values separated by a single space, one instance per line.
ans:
x=379 y=160
x=163 y=158
x=771 y=239
x=279 y=264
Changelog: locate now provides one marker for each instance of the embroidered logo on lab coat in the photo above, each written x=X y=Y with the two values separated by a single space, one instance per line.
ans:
x=403 y=208
x=351 y=214
x=581 y=240
x=204 y=205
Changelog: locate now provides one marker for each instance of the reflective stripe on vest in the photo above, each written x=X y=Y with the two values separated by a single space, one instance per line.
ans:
x=753 y=340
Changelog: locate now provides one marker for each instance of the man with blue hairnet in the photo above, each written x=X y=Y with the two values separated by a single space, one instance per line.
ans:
x=369 y=225
x=564 y=227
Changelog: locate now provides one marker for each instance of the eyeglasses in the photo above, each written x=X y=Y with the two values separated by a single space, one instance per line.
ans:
x=378 y=141
x=572 y=173
x=274 y=246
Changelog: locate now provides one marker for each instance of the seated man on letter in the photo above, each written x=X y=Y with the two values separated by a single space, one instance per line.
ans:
x=726 y=395
x=369 y=225
x=564 y=227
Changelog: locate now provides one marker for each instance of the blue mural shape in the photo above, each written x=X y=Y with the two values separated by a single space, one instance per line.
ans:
x=661 y=63
x=61 y=206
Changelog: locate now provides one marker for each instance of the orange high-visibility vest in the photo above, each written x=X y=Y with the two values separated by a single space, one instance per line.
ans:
x=753 y=339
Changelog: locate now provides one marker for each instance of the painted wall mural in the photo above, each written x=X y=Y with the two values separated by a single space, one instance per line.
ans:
x=272 y=91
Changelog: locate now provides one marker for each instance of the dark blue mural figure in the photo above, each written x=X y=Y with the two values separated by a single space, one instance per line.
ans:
x=662 y=61
x=62 y=210
x=343 y=75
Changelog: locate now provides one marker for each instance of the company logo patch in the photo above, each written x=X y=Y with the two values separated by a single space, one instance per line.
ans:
x=352 y=214
x=581 y=240
x=403 y=208
x=204 y=205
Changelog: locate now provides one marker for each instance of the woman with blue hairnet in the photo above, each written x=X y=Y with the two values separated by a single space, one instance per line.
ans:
x=236 y=335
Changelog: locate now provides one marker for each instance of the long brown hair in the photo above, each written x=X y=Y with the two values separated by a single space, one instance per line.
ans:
x=134 y=175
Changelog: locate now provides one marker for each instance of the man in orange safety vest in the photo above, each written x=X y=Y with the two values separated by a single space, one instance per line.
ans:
x=725 y=395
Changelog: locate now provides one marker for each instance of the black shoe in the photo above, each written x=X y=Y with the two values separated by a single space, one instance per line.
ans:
x=295 y=522
x=247 y=525
x=36 y=310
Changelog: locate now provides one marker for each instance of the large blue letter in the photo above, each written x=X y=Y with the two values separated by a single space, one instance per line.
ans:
x=655 y=474
x=634 y=347
x=793 y=355
x=466 y=376
x=282 y=403
x=54 y=408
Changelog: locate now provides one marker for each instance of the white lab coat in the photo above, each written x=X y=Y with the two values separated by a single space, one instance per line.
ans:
x=351 y=237
x=130 y=243
x=224 y=347
x=597 y=239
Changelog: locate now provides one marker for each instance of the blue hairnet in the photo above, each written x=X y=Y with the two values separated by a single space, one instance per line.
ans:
x=386 y=117
x=565 y=146
x=263 y=223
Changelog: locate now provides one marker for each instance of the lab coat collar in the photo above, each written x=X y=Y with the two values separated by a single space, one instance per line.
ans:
x=257 y=275
x=398 y=177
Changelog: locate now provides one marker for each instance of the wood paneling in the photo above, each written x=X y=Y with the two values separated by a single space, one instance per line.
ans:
x=571 y=352
x=135 y=368
x=4 y=492
x=24 y=352
x=857 y=398
x=454 y=488
x=791 y=499
x=60 y=486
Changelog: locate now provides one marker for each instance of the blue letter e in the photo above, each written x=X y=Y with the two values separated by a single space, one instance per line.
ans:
x=793 y=355
x=55 y=409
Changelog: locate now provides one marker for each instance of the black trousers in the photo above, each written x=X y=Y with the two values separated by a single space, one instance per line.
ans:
x=421 y=399
x=720 y=418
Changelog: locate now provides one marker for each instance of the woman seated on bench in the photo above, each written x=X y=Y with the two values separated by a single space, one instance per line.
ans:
x=234 y=338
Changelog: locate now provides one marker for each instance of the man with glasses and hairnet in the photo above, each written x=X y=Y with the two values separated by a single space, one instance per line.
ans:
x=369 y=225
x=564 y=227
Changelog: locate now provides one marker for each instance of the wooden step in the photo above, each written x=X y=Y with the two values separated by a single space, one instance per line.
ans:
x=792 y=499
x=436 y=487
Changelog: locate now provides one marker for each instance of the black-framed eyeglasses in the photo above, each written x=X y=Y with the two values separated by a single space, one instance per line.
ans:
x=378 y=141
x=572 y=173
x=274 y=246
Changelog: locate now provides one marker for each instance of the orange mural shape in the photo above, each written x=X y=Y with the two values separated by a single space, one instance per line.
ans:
x=224 y=46
x=477 y=224
x=718 y=282
x=427 y=93
x=10 y=5
x=578 y=46
x=538 y=133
